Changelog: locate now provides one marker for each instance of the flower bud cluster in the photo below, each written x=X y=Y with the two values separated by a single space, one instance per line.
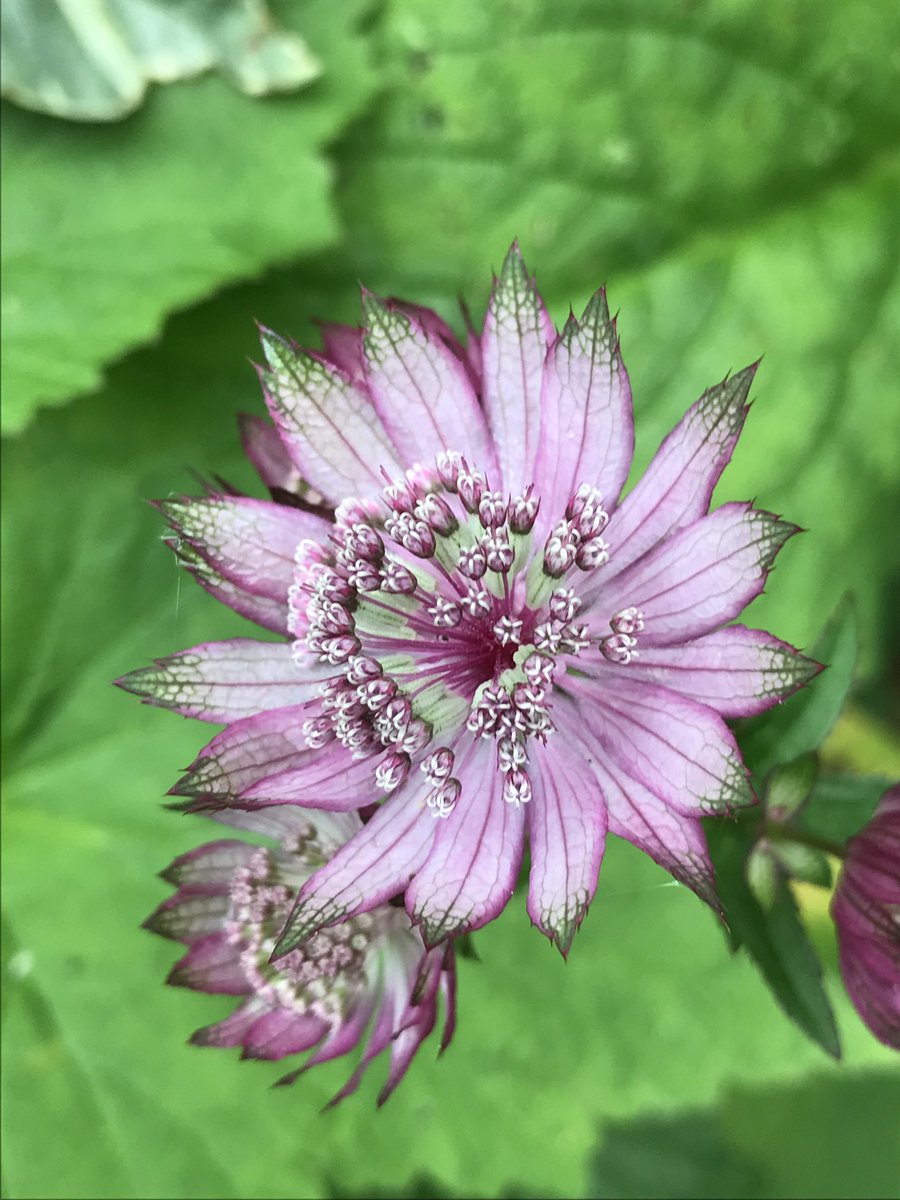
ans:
x=621 y=645
x=312 y=978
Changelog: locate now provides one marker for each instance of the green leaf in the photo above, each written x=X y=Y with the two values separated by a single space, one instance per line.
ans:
x=804 y=863
x=788 y=787
x=773 y=936
x=841 y=805
x=653 y=1011
x=106 y=229
x=830 y=1137
x=799 y=726
x=92 y=61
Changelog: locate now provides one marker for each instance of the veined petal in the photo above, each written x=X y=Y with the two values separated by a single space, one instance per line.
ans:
x=330 y=778
x=680 y=750
x=329 y=426
x=735 y=670
x=421 y=390
x=234 y=1028
x=677 y=487
x=375 y=865
x=212 y=864
x=250 y=542
x=263 y=610
x=248 y=750
x=278 y=1033
x=267 y=452
x=698 y=578
x=288 y=821
x=587 y=424
x=343 y=1036
x=566 y=831
x=673 y=840
x=470 y=873
x=195 y=911
x=517 y=334
x=224 y=681
x=211 y=965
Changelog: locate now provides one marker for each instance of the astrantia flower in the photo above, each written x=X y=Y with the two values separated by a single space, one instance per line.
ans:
x=367 y=980
x=485 y=642
x=866 y=912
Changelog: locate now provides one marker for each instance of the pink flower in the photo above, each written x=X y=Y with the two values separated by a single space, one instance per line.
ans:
x=485 y=643
x=866 y=912
x=370 y=972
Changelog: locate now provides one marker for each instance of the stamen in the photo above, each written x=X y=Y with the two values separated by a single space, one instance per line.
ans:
x=564 y=604
x=438 y=766
x=470 y=485
x=593 y=552
x=619 y=648
x=498 y=552
x=449 y=464
x=397 y=579
x=523 y=511
x=473 y=561
x=627 y=620
x=392 y=771
x=491 y=510
x=560 y=549
x=445 y=613
x=437 y=514
x=508 y=629
x=477 y=602
x=442 y=800
x=516 y=787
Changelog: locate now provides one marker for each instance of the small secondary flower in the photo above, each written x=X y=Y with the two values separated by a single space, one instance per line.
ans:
x=866 y=912
x=367 y=980
x=482 y=643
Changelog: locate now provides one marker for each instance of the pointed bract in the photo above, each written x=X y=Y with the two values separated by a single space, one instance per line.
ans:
x=409 y=371
x=677 y=487
x=587 y=428
x=517 y=335
x=223 y=681
x=329 y=426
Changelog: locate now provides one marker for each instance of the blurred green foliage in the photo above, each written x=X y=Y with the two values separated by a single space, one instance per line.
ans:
x=730 y=169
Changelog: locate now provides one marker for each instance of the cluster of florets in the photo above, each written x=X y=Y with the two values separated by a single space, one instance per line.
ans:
x=440 y=585
x=313 y=978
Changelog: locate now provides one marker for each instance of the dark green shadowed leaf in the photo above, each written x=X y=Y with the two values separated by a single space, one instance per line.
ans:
x=841 y=805
x=108 y=228
x=788 y=787
x=773 y=936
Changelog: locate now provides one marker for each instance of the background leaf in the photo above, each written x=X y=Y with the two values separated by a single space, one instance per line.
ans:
x=801 y=724
x=108 y=228
x=841 y=804
x=92 y=61
x=773 y=936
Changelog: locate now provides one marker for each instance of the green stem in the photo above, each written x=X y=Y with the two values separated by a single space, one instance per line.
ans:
x=790 y=833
